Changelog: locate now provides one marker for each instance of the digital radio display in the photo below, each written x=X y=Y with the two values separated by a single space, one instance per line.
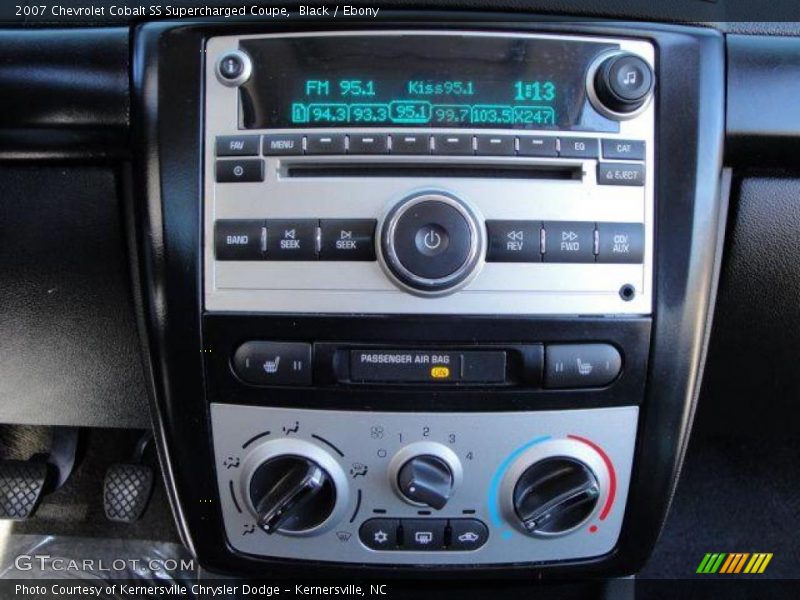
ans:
x=423 y=81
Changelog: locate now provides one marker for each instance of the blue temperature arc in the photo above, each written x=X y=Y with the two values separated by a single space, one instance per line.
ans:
x=494 y=486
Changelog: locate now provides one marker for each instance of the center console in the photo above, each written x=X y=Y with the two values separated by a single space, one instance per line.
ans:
x=423 y=294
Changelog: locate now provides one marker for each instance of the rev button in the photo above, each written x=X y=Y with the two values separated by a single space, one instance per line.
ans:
x=514 y=241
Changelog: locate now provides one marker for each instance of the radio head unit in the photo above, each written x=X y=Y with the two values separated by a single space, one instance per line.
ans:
x=429 y=172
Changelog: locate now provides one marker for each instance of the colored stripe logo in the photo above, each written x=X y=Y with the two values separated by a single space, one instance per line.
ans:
x=734 y=563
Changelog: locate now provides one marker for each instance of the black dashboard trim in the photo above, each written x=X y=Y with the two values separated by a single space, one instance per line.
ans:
x=168 y=174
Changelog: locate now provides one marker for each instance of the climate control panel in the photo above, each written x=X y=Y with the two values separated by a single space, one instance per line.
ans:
x=443 y=488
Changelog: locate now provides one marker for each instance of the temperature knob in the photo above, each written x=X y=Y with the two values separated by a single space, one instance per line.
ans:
x=294 y=487
x=555 y=495
x=555 y=487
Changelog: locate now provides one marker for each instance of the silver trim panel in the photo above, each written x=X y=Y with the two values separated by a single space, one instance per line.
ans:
x=363 y=287
x=491 y=448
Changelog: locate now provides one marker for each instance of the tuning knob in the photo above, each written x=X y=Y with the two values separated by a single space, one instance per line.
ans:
x=621 y=85
x=426 y=480
x=555 y=495
x=425 y=474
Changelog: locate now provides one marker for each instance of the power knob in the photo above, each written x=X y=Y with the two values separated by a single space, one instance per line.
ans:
x=294 y=487
x=425 y=474
x=432 y=244
x=555 y=487
x=620 y=85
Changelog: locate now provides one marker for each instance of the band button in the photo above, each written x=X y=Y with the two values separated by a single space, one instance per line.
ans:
x=239 y=239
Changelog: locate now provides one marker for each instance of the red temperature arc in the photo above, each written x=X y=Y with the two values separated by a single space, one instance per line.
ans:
x=612 y=475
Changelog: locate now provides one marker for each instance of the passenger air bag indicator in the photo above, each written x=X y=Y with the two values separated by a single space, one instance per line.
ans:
x=427 y=366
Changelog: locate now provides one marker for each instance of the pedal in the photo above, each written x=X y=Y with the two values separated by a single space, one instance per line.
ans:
x=21 y=485
x=126 y=491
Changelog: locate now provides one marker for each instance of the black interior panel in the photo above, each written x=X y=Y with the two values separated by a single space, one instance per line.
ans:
x=69 y=353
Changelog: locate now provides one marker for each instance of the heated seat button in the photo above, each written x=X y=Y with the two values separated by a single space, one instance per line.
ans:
x=467 y=534
x=514 y=241
x=236 y=171
x=423 y=534
x=620 y=242
x=238 y=239
x=379 y=534
x=347 y=239
x=273 y=363
x=569 y=242
x=291 y=239
x=581 y=365
x=237 y=145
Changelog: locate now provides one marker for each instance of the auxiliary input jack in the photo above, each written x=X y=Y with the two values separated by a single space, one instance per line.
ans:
x=627 y=292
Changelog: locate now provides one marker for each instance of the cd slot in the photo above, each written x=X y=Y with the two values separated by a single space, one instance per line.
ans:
x=428 y=169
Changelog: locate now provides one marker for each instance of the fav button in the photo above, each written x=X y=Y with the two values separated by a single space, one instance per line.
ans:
x=379 y=534
x=514 y=241
x=620 y=242
x=347 y=239
x=581 y=365
x=237 y=145
x=467 y=534
x=569 y=242
x=291 y=239
x=239 y=239
x=423 y=534
x=273 y=363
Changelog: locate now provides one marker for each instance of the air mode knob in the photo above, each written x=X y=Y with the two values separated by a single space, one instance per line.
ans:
x=622 y=84
x=291 y=494
x=555 y=495
x=432 y=243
